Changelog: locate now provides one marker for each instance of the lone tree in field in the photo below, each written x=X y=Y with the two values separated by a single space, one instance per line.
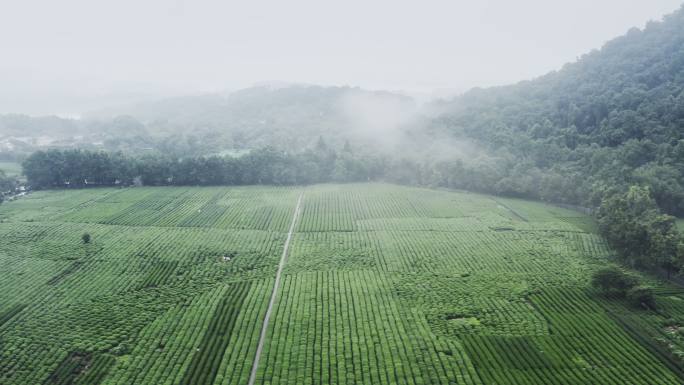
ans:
x=641 y=296
x=85 y=238
x=634 y=226
x=613 y=280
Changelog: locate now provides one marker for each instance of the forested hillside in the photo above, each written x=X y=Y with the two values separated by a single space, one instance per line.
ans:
x=612 y=119
x=288 y=117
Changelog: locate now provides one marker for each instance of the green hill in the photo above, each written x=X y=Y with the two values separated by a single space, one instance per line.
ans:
x=613 y=118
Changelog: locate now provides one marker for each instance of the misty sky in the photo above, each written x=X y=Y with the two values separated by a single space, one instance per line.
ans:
x=69 y=56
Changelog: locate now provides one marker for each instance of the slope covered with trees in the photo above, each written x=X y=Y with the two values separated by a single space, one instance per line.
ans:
x=612 y=119
x=291 y=117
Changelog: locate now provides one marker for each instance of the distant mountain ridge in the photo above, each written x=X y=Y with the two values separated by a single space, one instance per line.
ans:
x=283 y=116
x=218 y=108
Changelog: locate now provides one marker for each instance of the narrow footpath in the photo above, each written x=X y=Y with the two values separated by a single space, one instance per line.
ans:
x=274 y=293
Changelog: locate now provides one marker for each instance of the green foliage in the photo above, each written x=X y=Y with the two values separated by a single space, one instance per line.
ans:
x=76 y=168
x=610 y=120
x=81 y=368
x=642 y=296
x=383 y=285
x=85 y=238
x=70 y=368
x=212 y=347
x=10 y=312
x=290 y=117
x=642 y=236
x=613 y=280
x=81 y=168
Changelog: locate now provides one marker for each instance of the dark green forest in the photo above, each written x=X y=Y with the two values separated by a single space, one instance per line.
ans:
x=612 y=119
x=83 y=168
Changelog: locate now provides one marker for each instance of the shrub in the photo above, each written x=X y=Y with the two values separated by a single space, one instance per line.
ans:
x=641 y=296
x=86 y=238
x=642 y=236
x=613 y=280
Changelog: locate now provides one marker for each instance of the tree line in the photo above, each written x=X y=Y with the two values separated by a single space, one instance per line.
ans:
x=82 y=168
x=643 y=236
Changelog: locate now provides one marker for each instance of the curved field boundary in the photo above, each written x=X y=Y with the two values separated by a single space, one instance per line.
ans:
x=274 y=293
x=515 y=213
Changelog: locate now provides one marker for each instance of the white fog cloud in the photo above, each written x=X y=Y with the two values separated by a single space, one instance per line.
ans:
x=76 y=54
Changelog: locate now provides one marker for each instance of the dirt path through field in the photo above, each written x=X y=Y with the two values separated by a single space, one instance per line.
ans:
x=274 y=293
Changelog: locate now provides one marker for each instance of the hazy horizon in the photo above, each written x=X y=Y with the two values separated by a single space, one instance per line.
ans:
x=74 y=56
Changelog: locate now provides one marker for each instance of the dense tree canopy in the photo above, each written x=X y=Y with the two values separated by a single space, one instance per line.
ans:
x=635 y=228
x=612 y=280
x=80 y=168
x=612 y=119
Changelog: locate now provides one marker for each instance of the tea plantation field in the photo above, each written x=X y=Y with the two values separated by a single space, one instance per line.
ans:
x=382 y=285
